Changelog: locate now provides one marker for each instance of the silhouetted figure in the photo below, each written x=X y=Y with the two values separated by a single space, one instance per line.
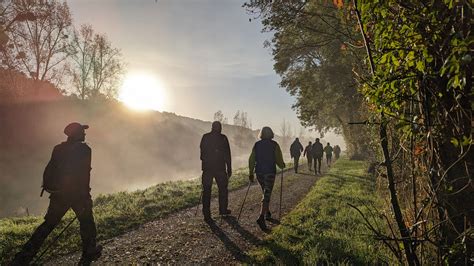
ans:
x=216 y=163
x=67 y=179
x=309 y=156
x=337 y=151
x=328 y=150
x=317 y=152
x=266 y=155
x=295 y=151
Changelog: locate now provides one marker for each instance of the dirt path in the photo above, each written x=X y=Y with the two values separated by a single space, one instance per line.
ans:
x=183 y=238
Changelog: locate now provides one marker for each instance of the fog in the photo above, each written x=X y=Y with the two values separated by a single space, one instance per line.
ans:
x=130 y=150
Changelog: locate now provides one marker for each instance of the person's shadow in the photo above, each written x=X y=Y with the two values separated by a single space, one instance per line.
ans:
x=237 y=253
x=249 y=237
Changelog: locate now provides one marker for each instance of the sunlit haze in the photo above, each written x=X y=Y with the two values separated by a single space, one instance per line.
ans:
x=141 y=91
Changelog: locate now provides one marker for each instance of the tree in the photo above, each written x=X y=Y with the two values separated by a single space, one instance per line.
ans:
x=286 y=133
x=96 y=67
x=243 y=123
x=219 y=116
x=37 y=46
x=311 y=48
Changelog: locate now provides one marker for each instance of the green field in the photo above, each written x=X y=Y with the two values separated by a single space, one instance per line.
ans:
x=114 y=214
x=323 y=229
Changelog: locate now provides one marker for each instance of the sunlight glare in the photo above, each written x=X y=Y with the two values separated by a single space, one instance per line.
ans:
x=142 y=92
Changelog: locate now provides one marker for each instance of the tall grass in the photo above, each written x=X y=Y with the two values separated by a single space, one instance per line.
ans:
x=323 y=228
x=114 y=214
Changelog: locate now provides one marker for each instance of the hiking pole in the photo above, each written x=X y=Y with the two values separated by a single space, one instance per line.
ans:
x=54 y=241
x=200 y=200
x=281 y=193
x=243 y=202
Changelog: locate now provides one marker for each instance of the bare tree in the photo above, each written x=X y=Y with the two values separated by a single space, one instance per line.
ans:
x=38 y=45
x=285 y=132
x=96 y=67
x=243 y=122
x=219 y=116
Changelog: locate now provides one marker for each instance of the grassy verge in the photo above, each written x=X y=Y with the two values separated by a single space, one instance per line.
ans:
x=323 y=228
x=114 y=215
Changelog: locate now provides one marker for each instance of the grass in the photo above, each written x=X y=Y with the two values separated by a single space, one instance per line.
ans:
x=114 y=215
x=323 y=228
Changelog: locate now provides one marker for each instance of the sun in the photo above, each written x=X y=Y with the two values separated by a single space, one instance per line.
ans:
x=142 y=91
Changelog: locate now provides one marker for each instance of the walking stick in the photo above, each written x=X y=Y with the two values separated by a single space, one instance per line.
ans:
x=243 y=202
x=197 y=207
x=54 y=241
x=281 y=193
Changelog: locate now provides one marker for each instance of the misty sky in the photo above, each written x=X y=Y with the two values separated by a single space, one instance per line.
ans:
x=206 y=53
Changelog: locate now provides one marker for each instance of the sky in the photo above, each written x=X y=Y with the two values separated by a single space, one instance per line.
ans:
x=206 y=54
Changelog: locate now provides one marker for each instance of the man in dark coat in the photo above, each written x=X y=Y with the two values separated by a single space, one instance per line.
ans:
x=295 y=151
x=317 y=151
x=216 y=163
x=67 y=179
x=309 y=156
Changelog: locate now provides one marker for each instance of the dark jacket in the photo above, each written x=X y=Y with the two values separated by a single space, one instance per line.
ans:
x=317 y=150
x=307 y=151
x=266 y=154
x=69 y=169
x=296 y=149
x=215 y=152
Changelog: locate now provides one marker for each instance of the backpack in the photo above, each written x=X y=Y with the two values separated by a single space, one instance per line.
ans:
x=53 y=173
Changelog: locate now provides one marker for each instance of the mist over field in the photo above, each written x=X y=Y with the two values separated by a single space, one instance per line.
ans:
x=130 y=150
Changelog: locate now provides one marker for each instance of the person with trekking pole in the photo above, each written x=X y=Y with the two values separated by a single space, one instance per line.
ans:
x=216 y=163
x=67 y=179
x=266 y=155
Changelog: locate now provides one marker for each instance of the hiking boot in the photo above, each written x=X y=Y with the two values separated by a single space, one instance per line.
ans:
x=261 y=223
x=208 y=219
x=22 y=259
x=225 y=213
x=268 y=216
x=90 y=255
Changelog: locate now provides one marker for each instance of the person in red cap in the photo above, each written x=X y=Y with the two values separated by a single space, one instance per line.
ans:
x=67 y=179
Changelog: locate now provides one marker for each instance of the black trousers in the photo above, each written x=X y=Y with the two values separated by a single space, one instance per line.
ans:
x=58 y=206
x=310 y=162
x=296 y=162
x=222 y=183
x=266 y=182
x=317 y=164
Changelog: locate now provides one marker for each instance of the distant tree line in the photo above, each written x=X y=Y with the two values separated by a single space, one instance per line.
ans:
x=39 y=40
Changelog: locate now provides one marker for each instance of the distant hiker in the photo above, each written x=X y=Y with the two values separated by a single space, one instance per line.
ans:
x=295 y=151
x=266 y=154
x=67 y=179
x=309 y=156
x=328 y=150
x=337 y=151
x=216 y=163
x=317 y=152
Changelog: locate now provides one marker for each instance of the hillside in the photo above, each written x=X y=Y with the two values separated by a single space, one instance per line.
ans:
x=131 y=150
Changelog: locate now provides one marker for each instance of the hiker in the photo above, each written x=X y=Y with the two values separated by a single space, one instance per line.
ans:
x=216 y=163
x=266 y=154
x=337 y=151
x=317 y=152
x=67 y=179
x=309 y=157
x=328 y=150
x=295 y=151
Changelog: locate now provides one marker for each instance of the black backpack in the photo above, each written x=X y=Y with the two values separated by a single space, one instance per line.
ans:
x=54 y=171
